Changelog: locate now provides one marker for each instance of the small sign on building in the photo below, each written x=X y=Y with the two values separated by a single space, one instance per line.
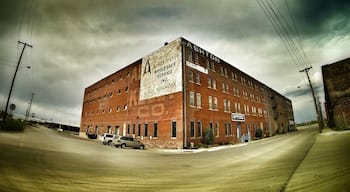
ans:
x=238 y=117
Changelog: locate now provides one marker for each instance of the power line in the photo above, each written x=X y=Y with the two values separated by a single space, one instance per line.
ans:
x=275 y=25
x=289 y=36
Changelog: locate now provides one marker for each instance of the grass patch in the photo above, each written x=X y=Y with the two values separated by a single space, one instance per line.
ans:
x=12 y=125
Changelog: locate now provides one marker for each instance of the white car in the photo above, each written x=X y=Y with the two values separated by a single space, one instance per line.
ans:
x=107 y=138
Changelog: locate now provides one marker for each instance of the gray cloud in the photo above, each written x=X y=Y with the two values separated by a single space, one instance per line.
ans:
x=79 y=42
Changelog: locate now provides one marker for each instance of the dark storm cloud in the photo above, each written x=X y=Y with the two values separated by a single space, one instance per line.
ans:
x=78 y=42
x=322 y=16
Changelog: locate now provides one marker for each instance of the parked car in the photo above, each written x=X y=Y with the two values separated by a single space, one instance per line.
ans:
x=107 y=138
x=128 y=141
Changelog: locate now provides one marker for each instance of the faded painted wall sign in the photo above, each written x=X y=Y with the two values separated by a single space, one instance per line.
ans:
x=161 y=72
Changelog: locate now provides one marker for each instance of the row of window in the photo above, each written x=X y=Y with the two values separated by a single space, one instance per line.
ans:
x=110 y=110
x=225 y=87
x=197 y=131
x=213 y=104
x=107 y=84
x=136 y=129
x=107 y=96
x=210 y=65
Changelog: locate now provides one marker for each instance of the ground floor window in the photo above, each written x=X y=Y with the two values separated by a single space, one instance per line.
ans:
x=192 y=129
x=139 y=130
x=146 y=130
x=173 y=129
x=155 y=129
x=199 y=129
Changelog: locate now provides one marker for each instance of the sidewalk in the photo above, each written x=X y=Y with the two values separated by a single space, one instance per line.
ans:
x=326 y=166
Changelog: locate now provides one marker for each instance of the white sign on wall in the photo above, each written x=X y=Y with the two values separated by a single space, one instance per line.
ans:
x=238 y=117
x=161 y=72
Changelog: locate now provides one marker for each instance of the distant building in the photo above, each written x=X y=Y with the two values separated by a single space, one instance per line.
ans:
x=170 y=97
x=336 y=81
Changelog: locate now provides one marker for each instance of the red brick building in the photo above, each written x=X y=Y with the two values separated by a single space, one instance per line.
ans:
x=336 y=82
x=170 y=97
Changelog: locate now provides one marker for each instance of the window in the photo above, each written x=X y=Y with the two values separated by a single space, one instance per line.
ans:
x=111 y=95
x=210 y=102
x=196 y=58
x=223 y=88
x=119 y=92
x=155 y=129
x=110 y=110
x=192 y=129
x=227 y=89
x=217 y=129
x=225 y=105
x=128 y=129
x=126 y=89
x=190 y=56
x=254 y=111
x=243 y=81
x=125 y=107
x=212 y=66
x=199 y=129
x=211 y=126
x=139 y=130
x=191 y=76
x=133 y=128
x=225 y=71
x=214 y=84
x=198 y=79
x=191 y=98
x=207 y=63
x=199 y=102
x=173 y=129
x=215 y=103
x=209 y=82
x=146 y=130
x=118 y=109
x=228 y=106
x=260 y=113
x=221 y=70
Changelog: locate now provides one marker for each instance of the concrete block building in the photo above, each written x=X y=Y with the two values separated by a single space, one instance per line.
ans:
x=336 y=81
x=170 y=97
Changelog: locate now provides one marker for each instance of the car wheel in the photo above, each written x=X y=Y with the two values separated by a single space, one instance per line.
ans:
x=109 y=143
x=142 y=147
x=123 y=145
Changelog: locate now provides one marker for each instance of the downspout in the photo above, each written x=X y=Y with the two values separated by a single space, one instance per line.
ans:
x=184 y=95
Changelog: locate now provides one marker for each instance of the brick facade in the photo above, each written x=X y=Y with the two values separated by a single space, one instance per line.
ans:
x=336 y=81
x=213 y=91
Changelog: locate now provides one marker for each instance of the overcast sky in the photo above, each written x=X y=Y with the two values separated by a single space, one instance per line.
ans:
x=76 y=43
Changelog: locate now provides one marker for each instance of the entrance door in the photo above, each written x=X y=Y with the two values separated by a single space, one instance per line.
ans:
x=238 y=130
x=117 y=130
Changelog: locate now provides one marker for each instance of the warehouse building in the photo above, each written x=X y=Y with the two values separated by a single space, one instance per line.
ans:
x=170 y=97
x=336 y=82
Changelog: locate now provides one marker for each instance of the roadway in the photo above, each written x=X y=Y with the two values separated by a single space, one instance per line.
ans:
x=41 y=159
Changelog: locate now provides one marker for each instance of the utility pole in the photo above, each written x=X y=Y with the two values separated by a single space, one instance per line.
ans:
x=14 y=77
x=29 y=107
x=320 y=122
